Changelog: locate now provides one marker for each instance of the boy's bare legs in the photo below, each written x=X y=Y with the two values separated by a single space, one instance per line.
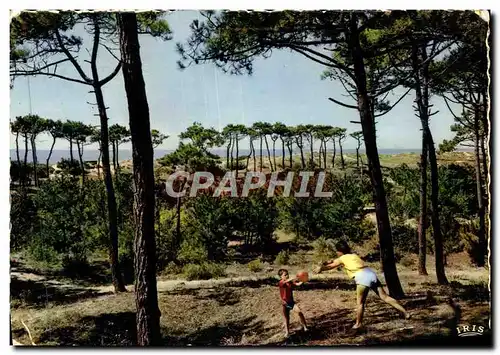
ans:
x=297 y=309
x=391 y=301
x=286 y=315
x=361 y=294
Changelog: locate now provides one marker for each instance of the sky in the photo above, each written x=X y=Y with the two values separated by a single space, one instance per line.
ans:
x=283 y=88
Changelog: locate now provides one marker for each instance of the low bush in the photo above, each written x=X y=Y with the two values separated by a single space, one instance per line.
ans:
x=203 y=271
x=255 y=265
x=297 y=259
x=282 y=258
x=324 y=249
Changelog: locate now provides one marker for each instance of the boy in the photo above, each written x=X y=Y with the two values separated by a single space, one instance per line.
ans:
x=364 y=277
x=286 y=286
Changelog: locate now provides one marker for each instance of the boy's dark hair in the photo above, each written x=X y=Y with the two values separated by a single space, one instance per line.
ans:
x=343 y=247
x=281 y=271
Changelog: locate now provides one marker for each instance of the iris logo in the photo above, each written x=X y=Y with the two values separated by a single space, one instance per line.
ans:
x=470 y=330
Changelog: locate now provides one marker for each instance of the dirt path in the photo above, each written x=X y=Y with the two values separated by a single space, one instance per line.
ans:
x=162 y=285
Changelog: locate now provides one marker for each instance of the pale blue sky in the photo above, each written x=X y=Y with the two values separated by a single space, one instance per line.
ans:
x=286 y=87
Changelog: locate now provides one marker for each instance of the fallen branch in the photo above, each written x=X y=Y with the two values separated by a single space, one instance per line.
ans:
x=29 y=333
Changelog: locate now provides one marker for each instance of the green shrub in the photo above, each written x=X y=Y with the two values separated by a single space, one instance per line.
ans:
x=167 y=241
x=69 y=166
x=334 y=217
x=469 y=230
x=296 y=166
x=458 y=211
x=192 y=252
x=44 y=254
x=324 y=249
x=172 y=269
x=211 y=224
x=297 y=259
x=255 y=265
x=23 y=219
x=282 y=258
x=404 y=197
x=61 y=207
x=203 y=271
x=404 y=238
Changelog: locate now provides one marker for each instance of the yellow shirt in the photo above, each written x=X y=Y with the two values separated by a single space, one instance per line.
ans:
x=351 y=263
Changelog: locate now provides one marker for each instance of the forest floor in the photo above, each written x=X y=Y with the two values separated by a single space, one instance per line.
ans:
x=244 y=309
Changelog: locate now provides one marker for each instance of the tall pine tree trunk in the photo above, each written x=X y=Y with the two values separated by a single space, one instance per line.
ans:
x=25 y=174
x=117 y=159
x=34 y=158
x=114 y=156
x=423 y=114
x=342 y=153
x=268 y=153
x=334 y=152
x=289 y=145
x=237 y=156
x=253 y=154
x=369 y=134
x=116 y=276
x=17 y=150
x=80 y=158
x=320 y=154
x=282 y=152
x=324 y=153
x=50 y=154
x=71 y=149
x=261 y=153
x=436 y=224
x=422 y=99
x=227 y=153
x=232 y=155
x=422 y=223
x=249 y=155
x=301 y=147
x=148 y=313
x=312 y=149
x=357 y=156
x=274 y=154
x=99 y=163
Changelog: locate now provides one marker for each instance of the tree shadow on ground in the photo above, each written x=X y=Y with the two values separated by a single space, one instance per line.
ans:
x=39 y=294
x=224 y=296
x=114 y=329
x=119 y=329
x=228 y=334
x=330 y=284
x=82 y=274
x=384 y=326
x=472 y=292
x=332 y=325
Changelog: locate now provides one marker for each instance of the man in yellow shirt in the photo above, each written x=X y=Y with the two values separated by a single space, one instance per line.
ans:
x=364 y=277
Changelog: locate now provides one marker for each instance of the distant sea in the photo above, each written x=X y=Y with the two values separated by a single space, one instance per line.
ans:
x=57 y=155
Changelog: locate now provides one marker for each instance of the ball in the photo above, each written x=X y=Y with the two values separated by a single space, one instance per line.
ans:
x=303 y=276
